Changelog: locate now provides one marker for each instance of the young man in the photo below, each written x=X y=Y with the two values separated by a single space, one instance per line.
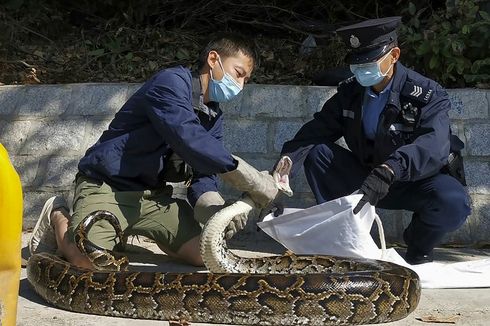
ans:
x=170 y=130
x=396 y=125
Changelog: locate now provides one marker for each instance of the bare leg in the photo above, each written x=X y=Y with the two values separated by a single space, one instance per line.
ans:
x=188 y=252
x=68 y=249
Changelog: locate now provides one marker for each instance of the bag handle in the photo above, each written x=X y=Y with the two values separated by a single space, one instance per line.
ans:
x=381 y=235
x=381 y=230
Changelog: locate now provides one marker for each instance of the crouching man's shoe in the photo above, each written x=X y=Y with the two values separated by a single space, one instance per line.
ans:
x=418 y=258
x=43 y=238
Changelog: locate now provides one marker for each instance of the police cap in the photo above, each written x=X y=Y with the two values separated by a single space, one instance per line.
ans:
x=371 y=39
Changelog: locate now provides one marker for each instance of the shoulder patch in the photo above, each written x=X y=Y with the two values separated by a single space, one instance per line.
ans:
x=417 y=92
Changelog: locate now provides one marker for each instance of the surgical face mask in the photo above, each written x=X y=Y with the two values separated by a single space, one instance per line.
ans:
x=225 y=89
x=369 y=74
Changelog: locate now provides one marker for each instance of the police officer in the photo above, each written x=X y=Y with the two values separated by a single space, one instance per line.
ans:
x=170 y=130
x=395 y=123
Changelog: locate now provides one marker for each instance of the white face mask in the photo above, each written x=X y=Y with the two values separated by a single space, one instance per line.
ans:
x=369 y=74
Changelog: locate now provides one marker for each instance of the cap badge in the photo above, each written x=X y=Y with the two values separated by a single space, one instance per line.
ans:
x=354 y=41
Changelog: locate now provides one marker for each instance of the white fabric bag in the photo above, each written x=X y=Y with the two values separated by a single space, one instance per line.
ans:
x=329 y=228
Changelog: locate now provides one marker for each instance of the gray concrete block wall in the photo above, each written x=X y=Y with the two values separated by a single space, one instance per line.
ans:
x=47 y=129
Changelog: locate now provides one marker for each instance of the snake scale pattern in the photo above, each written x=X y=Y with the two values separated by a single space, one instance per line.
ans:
x=279 y=290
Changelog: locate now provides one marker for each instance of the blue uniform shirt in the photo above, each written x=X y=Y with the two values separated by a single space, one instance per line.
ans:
x=166 y=115
x=372 y=106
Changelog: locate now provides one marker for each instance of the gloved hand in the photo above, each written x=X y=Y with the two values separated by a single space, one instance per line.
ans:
x=276 y=208
x=237 y=223
x=375 y=186
x=260 y=186
x=209 y=204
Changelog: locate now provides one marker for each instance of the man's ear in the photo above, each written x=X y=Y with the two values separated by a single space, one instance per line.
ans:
x=212 y=58
x=395 y=54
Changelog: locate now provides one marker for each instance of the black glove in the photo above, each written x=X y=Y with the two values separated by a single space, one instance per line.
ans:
x=275 y=208
x=375 y=186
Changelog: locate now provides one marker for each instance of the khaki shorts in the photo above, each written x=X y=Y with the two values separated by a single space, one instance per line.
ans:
x=153 y=214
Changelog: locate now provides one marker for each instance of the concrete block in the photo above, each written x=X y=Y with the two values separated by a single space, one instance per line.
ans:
x=246 y=136
x=477 y=176
x=14 y=135
x=55 y=137
x=457 y=128
x=317 y=97
x=283 y=101
x=468 y=104
x=27 y=167
x=45 y=100
x=10 y=97
x=284 y=131
x=233 y=108
x=393 y=225
x=260 y=163
x=299 y=183
x=480 y=218
x=60 y=172
x=33 y=204
x=132 y=88
x=477 y=226
x=94 y=129
x=98 y=99
x=477 y=139
x=463 y=235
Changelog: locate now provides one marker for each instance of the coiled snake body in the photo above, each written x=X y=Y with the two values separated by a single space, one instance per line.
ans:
x=280 y=290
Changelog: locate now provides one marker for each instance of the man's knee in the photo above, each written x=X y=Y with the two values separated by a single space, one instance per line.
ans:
x=101 y=233
x=320 y=154
x=452 y=203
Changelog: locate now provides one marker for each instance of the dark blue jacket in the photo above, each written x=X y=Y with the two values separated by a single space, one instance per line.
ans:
x=413 y=133
x=165 y=115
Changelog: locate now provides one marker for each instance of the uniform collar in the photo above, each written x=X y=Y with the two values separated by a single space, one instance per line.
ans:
x=397 y=81
x=198 y=99
x=371 y=93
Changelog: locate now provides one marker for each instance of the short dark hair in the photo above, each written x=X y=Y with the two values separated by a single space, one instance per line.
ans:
x=228 y=45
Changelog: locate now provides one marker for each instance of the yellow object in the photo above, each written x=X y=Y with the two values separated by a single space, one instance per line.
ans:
x=10 y=242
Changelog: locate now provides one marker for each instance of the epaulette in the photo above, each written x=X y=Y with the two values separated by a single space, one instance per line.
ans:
x=347 y=81
x=417 y=92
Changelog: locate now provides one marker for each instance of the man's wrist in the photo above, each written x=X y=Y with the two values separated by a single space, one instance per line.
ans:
x=385 y=172
x=388 y=168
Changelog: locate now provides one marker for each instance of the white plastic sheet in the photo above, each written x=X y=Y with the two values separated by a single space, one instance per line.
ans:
x=331 y=228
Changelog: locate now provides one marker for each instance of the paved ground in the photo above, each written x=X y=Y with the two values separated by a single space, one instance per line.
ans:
x=462 y=306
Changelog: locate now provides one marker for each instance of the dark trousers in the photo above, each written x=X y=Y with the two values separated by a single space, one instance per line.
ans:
x=440 y=203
